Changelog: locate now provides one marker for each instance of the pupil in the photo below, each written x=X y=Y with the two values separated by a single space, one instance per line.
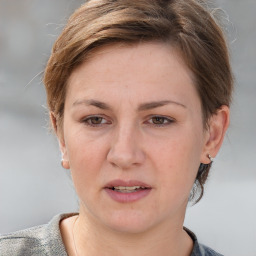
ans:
x=158 y=120
x=96 y=120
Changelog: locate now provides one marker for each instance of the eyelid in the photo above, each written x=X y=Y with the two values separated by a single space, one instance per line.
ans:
x=90 y=117
x=169 y=120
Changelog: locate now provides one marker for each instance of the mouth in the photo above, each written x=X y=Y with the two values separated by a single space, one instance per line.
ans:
x=127 y=189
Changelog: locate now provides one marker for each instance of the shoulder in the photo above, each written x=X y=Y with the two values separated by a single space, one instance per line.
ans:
x=200 y=249
x=25 y=242
x=40 y=240
x=206 y=251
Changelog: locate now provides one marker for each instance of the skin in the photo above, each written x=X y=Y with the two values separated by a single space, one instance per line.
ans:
x=124 y=137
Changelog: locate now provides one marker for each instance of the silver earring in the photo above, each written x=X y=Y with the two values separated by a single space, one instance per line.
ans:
x=210 y=157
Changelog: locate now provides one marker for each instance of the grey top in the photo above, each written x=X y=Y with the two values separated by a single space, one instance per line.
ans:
x=46 y=240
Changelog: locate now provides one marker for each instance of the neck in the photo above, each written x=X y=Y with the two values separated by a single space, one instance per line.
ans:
x=92 y=238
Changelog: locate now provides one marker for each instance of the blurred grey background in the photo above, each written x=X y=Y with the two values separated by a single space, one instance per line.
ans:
x=34 y=187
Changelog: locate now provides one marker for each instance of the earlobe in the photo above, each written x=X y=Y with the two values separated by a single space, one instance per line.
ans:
x=218 y=125
x=65 y=164
x=64 y=155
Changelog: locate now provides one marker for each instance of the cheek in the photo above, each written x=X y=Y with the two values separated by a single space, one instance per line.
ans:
x=86 y=157
x=176 y=173
x=82 y=147
x=178 y=157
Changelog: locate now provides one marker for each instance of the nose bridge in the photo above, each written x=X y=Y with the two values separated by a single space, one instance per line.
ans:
x=125 y=132
x=125 y=148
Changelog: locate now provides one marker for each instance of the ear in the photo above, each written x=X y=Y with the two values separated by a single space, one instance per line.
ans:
x=62 y=145
x=217 y=127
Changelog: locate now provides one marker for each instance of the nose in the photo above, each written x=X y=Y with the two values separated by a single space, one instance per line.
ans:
x=125 y=151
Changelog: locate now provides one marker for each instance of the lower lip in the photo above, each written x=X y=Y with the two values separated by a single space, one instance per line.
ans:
x=127 y=197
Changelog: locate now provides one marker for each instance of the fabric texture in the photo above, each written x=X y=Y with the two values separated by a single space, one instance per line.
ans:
x=45 y=240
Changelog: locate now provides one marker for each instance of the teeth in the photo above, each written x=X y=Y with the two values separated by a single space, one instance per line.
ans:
x=127 y=188
x=122 y=189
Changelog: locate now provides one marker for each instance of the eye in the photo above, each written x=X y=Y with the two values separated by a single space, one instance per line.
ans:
x=95 y=121
x=160 y=120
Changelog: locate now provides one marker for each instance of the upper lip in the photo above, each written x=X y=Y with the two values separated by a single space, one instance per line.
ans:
x=129 y=183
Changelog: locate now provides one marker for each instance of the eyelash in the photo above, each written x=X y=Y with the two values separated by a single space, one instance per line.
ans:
x=166 y=121
x=88 y=121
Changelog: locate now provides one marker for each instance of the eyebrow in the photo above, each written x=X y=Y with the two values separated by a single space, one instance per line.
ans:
x=94 y=103
x=156 y=104
x=141 y=107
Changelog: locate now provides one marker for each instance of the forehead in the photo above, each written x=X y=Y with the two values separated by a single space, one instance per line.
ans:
x=145 y=68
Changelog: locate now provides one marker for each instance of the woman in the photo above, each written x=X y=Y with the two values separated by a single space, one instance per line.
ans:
x=138 y=95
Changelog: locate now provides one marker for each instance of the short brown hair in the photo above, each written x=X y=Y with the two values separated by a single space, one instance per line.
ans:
x=187 y=25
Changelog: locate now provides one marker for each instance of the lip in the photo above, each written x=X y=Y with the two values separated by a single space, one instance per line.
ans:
x=129 y=183
x=127 y=197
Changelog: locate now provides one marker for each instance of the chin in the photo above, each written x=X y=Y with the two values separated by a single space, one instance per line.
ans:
x=132 y=223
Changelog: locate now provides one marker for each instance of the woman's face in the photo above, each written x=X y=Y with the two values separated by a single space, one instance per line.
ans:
x=133 y=135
